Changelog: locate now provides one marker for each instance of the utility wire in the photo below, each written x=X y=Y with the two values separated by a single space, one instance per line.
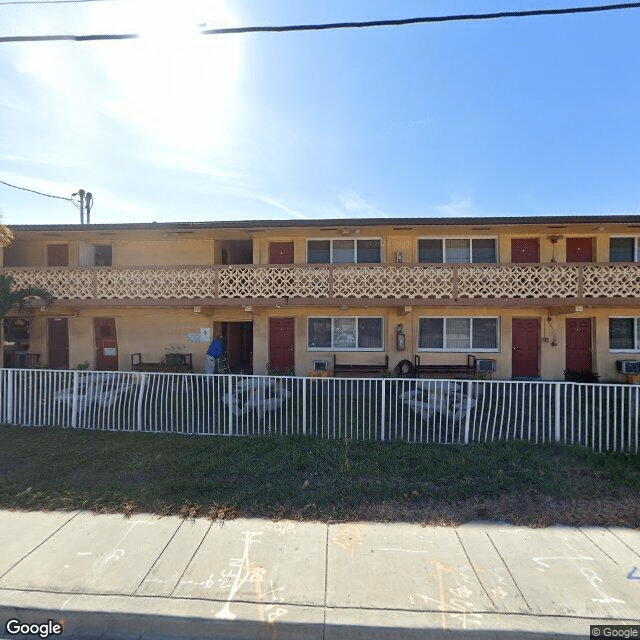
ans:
x=345 y=25
x=408 y=21
x=48 y=195
x=49 y=1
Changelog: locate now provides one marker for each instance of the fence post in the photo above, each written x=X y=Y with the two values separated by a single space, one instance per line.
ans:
x=467 y=418
x=10 y=416
x=383 y=411
x=304 y=405
x=557 y=412
x=141 y=392
x=74 y=401
x=230 y=396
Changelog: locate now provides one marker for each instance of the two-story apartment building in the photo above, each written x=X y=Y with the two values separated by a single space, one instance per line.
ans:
x=535 y=295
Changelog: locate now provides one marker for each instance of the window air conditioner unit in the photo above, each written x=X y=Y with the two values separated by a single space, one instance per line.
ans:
x=485 y=365
x=320 y=365
x=628 y=366
x=399 y=257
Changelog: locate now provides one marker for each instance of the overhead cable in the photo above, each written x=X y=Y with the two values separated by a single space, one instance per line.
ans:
x=343 y=25
x=48 y=195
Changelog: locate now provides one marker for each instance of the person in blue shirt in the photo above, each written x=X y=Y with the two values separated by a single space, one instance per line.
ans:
x=214 y=353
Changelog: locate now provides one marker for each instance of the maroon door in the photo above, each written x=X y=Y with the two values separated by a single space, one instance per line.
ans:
x=525 y=347
x=525 y=250
x=57 y=255
x=106 y=344
x=578 y=344
x=579 y=249
x=58 y=334
x=281 y=345
x=281 y=253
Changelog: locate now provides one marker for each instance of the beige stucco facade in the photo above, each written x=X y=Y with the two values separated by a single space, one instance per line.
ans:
x=147 y=260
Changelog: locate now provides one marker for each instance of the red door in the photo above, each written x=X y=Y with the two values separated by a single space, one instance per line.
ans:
x=58 y=333
x=106 y=344
x=525 y=250
x=281 y=253
x=281 y=345
x=578 y=344
x=57 y=255
x=525 y=347
x=579 y=249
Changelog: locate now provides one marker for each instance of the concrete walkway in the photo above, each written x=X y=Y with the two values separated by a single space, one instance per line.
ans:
x=112 y=577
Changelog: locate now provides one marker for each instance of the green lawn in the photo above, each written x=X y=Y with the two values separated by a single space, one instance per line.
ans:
x=315 y=479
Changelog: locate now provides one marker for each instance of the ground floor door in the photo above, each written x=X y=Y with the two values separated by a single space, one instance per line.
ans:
x=578 y=357
x=237 y=339
x=281 y=345
x=106 y=344
x=525 y=347
x=58 y=338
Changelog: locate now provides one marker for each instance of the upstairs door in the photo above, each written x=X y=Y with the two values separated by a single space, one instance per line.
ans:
x=106 y=344
x=578 y=356
x=525 y=250
x=58 y=335
x=281 y=253
x=579 y=249
x=281 y=345
x=525 y=348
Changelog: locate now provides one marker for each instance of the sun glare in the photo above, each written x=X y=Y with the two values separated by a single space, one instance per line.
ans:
x=174 y=83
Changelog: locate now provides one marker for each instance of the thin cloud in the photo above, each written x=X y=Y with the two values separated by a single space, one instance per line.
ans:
x=462 y=207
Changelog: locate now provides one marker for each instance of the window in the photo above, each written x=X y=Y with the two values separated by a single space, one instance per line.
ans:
x=345 y=334
x=343 y=251
x=458 y=334
x=103 y=255
x=623 y=250
x=624 y=334
x=457 y=250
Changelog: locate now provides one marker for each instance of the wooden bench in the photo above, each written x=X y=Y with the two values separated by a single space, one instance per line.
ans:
x=172 y=363
x=358 y=370
x=446 y=371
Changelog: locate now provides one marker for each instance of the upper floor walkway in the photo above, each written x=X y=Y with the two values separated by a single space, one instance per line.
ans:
x=495 y=284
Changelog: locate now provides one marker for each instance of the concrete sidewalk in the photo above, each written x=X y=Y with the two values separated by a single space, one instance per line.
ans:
x=112 y=577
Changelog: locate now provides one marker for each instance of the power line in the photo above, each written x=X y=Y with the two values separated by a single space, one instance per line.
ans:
x=408 y=21
x=50 y=1
x=341 y=25
x=48 y=195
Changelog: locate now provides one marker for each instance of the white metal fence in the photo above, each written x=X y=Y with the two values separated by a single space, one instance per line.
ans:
x=603 y=417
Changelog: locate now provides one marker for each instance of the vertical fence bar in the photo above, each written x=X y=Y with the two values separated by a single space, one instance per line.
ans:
x=383 y=411
x=10 y=404
x=557 y=420
x=74 y=400
x=231 y=403
x=141 y=398
x=467 y=417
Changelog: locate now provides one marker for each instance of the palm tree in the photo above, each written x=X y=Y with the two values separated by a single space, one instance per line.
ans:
x=11 y=297
x=6 y=235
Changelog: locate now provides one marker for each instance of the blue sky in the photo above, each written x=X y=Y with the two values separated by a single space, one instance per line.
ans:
x=513 y=117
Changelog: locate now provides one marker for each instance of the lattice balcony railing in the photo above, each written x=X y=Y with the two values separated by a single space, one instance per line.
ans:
x=518 y=281
x=339 y=282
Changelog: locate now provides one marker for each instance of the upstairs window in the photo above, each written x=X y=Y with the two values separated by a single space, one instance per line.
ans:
x=343 y=251
x=623 y=250
x=457 y=250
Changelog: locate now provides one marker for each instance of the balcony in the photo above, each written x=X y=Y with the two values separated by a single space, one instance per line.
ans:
x=500 y=284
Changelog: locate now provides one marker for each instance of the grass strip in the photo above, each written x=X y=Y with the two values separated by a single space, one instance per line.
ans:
x=307 y=478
